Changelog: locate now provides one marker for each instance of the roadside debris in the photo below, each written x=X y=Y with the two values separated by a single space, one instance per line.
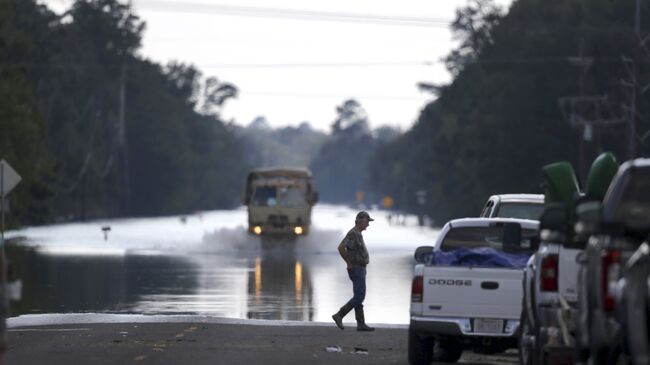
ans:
x=360 y=351
x=333 y=349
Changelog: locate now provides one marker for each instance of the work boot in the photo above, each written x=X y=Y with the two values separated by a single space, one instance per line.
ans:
x=338 y=316
x=361 y=321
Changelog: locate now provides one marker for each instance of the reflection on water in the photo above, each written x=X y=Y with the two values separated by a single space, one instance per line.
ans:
x=263 y=287
x=209 y=265
x=280 y=288
x=55 y=283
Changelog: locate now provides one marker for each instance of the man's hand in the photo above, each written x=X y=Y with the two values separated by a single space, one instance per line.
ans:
x=344 y=255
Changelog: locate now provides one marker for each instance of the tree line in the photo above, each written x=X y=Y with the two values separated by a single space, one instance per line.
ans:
x=548 y=81
x=97 y=131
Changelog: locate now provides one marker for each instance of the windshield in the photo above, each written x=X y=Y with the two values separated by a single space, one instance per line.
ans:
x=633 y=208
x=271 y=196
x=492 y=237
x=265 y=196
x=291 y=197
x=520 y=210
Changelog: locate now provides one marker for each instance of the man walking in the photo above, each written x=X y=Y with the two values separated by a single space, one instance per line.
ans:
x=353 y=251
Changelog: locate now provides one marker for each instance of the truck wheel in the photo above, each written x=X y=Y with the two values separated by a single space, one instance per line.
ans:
x=528 y=344
x=447 y=350
x=420 y=350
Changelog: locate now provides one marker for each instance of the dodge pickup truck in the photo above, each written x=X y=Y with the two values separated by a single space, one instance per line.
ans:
x=466 y=291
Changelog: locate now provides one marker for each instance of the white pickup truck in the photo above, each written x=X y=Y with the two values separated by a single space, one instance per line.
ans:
x=524 y=206
x=467 y=291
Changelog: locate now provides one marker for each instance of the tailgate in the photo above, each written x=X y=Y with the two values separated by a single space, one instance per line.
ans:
x=472 y=292
x=568 y=273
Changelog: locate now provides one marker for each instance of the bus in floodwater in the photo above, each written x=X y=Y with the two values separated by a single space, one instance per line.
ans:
x=279 y=201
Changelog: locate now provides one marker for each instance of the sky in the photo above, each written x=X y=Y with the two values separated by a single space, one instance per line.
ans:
x=296 y=61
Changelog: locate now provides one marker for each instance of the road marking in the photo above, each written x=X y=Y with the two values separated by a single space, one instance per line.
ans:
x=139 y=358
x=48 y=329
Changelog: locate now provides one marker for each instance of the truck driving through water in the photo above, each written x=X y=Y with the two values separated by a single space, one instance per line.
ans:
x=279 y=201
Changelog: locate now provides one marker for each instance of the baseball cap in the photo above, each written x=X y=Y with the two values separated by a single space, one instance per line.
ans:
x=364 y=215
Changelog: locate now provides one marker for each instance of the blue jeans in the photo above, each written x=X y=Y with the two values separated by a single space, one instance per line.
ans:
x=357 y=275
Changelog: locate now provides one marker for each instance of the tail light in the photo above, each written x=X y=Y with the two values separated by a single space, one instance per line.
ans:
x=549 y=273
x=609 y=274
x=416 y=289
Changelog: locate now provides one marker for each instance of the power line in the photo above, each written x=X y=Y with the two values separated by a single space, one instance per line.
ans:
x=328 y=96
x=296 y=14
x=318 y=64
x=505 y=61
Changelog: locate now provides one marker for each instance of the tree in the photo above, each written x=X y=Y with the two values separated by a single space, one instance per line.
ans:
x=498 y=122
x=82 y=111
x=473 y=27
x=340 y=167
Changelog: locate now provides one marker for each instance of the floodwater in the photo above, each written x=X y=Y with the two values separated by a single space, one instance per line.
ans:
x=207 y=264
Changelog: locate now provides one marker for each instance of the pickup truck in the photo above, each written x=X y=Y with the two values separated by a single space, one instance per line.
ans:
x=634 y=304
x=550 y=303
x=466 y=290
x=524 y=206
x=612 y=314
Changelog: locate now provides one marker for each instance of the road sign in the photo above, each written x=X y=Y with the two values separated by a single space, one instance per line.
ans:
x=8 y=178
x=388 y=202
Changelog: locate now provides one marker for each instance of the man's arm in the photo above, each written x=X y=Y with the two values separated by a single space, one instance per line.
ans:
x=344 y=253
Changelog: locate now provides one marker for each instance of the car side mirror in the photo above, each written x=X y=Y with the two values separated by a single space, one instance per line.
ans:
x=534 y=243
x=511 y=237
x=588 y=217
x=246 y=197
x=422 y=252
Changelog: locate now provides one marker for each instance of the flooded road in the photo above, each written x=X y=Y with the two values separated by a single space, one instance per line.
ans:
x=207 y=264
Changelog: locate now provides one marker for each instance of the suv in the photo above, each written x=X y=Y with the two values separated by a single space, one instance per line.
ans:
x=524 y=206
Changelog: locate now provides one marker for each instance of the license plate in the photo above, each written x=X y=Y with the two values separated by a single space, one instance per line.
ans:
x=483 y=325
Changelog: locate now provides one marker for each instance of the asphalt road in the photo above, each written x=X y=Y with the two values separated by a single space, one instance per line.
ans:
x=212 y=343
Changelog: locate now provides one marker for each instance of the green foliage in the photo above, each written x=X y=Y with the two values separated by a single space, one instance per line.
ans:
x=69 y=81
x=493 y=128
x=339 y=168
x=21 y=128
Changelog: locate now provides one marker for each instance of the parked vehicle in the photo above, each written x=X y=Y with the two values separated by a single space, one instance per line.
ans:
x=614 y=262
x=279 y=201
x=524 y=206
x=550 y=302
x=466 y=290
x=634 y=305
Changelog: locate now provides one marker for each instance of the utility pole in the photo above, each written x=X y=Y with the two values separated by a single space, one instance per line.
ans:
x=578 y=109
x=122 y=145
x=635 y=61
x=123 y=149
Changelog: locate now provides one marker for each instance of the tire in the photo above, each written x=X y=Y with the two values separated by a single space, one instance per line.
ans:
x=447 y=350
x=420 y=349
x=527 y=351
